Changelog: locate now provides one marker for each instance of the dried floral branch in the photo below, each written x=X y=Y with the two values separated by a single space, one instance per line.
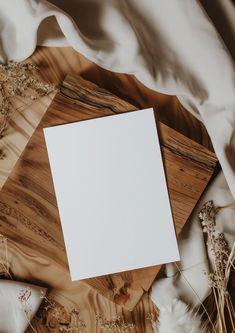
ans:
x=223 y=265
x=18 y=80
x=23 y=297
x=56 y=315
x=117 y=324
x=58 y=319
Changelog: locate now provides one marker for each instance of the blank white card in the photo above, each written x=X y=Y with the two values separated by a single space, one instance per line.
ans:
x=111 y=193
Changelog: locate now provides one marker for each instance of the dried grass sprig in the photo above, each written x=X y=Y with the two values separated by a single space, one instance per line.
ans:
x=57 y=319
x=222 y=266
x=116 y=325
x=198 y=297
x=221 y=271
x=18 y=80
x=24 y=294
x=23 y=297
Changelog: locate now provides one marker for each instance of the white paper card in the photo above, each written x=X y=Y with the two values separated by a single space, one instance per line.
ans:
x=111 y=192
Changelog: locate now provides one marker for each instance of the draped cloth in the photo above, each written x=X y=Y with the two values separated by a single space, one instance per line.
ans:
x=19 y=303
x=182 y=47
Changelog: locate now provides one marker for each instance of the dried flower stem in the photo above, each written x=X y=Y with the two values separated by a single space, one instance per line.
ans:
x=223 y=263
x=198 y=297
x=57 y=319
x=117 y=324
x=23 y=298
x=18 y=80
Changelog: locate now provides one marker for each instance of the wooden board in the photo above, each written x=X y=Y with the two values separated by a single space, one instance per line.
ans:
x=29 y=216
x=28 y=113
x=54 y=64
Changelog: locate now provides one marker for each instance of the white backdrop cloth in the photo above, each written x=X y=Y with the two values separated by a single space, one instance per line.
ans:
x=179 y=47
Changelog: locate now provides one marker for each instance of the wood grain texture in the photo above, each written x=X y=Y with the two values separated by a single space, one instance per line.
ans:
x=21 y=127
x=29 y=216
x=54 y=64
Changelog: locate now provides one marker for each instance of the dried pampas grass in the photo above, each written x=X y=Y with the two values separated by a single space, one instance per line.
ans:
x=178 y=318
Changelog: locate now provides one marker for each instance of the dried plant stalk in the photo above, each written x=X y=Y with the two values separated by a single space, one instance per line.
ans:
x=23 y=297
x=117 y=324
x=222 y=270
x=57 y=319
x=223 y=267
x=24 y=294
x=18 y=79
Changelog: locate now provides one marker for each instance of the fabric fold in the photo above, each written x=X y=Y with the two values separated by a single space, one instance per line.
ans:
x=19 y=303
